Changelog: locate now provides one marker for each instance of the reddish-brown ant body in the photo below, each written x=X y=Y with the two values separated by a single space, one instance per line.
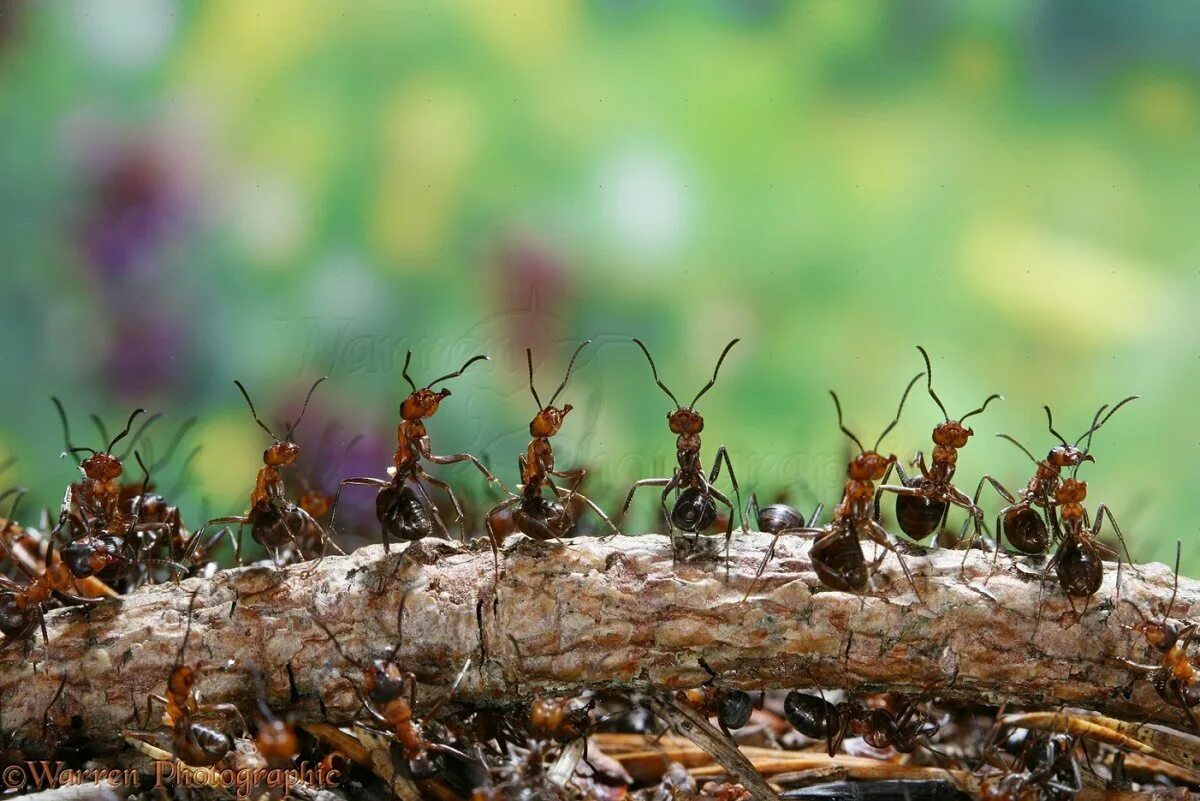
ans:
x=694 y=509
x=562 y=720
x=535 y=515
x=400 y=512
x=731 y=708
x=922 y=502
x=818 y=719
x=1020 y=522
x=1175 y=678
x=837 y=554
x=192 y=742
x=276 y=523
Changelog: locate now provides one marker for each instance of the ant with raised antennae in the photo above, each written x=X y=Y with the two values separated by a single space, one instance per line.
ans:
x=192 y=742
x=1175 y=678
x=694 y=509
x=537 y=516
x=400 y=512
x=275 y=521
x=837 y=555
x=1021 y=524
x=923 y=502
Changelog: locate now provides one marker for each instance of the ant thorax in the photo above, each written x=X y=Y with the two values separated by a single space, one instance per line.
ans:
x=1070 y=496
x=408 y=434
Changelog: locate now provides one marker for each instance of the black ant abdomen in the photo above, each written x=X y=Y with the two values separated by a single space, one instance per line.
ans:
x=541 y=518
x=16 y=618
x=778 y=516
x=1080 y=570
x=403 y=515
x=918 y=516
x=735 y=708
x=694 y=511
x=839 y=563
x=204 y=745
x=810 y=715
x=1026 y=530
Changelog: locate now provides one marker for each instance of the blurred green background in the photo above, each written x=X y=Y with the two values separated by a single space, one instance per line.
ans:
x=272 y=191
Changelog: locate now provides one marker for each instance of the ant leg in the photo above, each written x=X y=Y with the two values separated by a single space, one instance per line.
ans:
x=225 y=709
x=918 y=461
x=799 y=530
x=487 y=521
x=1103 y=511
x=576 y=475
x=879 y=492
x=645 y=482
x=729 y=528
x=592 y=505
x=433 y=510
x=359 y=481
x=671 y=485
x=752 y=503
x=880 y=536
x=723 y=455
x=150 y=699
x=454 y=458
x=458 y=512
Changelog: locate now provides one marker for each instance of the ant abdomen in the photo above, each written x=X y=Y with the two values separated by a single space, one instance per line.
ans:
x=1080 y=571
x=918 y=516
x=735 y=708
x=839 y=563
x=203 y=746
x=778 y=516
x=16 y=618
x=277 y=527
x=694 y=511
x=402 y=514
x=810 y=715
x=1026 y=530
x=541 y=518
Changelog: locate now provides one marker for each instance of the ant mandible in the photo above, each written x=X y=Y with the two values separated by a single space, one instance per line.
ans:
x=535 y=515
x=694 y=509
x=275 y=521
x=193 y=743
x=923 y=502
x=1022 y=525
x=400 y=512
x=837 y=555
x=1175 y=678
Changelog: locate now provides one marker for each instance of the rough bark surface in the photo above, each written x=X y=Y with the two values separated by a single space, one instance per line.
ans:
x=617 y=612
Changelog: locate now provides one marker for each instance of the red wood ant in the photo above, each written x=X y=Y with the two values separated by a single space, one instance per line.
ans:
x=818 y=719
x=1175 y=678
x=1048 y=769
x=275 y=521
x=731 y=708
x=1022 y=525
x=559 y=719
x=400 y=512
x=389 y=696
x=694 y=509
x=837 y=555
x=923 y=502
x=193 y=742
x=537 y=516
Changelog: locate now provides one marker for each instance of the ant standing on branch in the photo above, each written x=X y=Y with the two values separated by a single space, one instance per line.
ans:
x=400 y=512
x=694 y=509
x=537 y=516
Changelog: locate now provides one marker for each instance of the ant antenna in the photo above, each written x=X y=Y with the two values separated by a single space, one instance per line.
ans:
x=100 y=427
x=1096 y=425
x=529 y=358
x=292 y=429
x=717 y=369
x=990 y=398
x=337 y=645
x=184 y=428
x=929 y=384
x=92 y=451
x=570 y=365
x=1174 y=588
x=654 y=370
x=404 y=372
x=1025 y=450
x=66 y=427
x=125 y=431
x=137 y=435
x=460 y=370
x=838 y=405
x=57 y=695
x=253 y=412
x=188 y=629
x=1050 y=425
x=899 y=409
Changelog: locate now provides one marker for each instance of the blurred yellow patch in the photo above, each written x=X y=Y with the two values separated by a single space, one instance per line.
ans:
x=430 y=135
x=526 y=32
x=1062 y=287
x=976 y=64
x=1163 y=106
x=225 y=467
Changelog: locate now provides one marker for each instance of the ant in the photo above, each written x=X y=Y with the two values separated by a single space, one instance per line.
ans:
x=1175 y=679
x=1048 y=769
x=389 y=696
x=816 y=718
x=1077 y=560
x=275 y=521
x=923 y=502
x=560 y=719
x=537 y=516
x=1022 y=525
x=731 y=708
x=275 y=738
x=400 y=512
x=694 y=508
x=23 y=606
x=192 y=742
x=837 y=555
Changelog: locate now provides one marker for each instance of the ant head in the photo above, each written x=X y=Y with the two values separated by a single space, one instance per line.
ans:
x=384 y=681
x=281 y=454
x=1068 y=456
x=685 y=420
x=1160 y=634
x=101 y=467
x=1072 y=490
x=549 y=418
x=423 y=402
x=952 y=433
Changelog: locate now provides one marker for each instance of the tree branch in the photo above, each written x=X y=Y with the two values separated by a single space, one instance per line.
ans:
x=615 y=613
